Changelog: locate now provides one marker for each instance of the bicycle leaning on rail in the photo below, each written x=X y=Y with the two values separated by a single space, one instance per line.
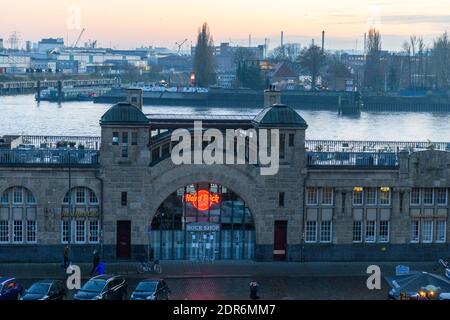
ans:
x=149 y=266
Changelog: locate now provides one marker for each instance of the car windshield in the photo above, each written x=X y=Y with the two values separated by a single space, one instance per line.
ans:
x=39 y=288
x=96 y=285
x=146 y=287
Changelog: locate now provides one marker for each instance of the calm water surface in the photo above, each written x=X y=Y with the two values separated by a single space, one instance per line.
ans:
x=22 y=115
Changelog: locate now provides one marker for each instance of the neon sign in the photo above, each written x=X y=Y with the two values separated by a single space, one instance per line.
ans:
x=202 y=199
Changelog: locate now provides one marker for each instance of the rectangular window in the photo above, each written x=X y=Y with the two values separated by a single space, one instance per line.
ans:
x=92 y=197
x=415 y=230
x=125 y=137
x=325 y=231
x=371 y=196
x=18 y=231
x=124 y=199
x=93 y=231
x=80 y=196
x=441 y=230
x=5 y=197
x=18 y=196
x=281 y=199
x=30 y=198
x=357 y=197
x=370 y=231
x=427 y=231
x=357 y=231
x=124 y=152
x=311 y=196
x=4 y=231
x=415 y=197
x=428 y=196
x=311 y=231
x=282 y=144
x=291 y=140
x=134 y=138
x=115 y=138
x=384 y=231
x=442 y=194
x=80 y=231
x=65 y=231
x=385 y=196
x=31 y=231
x=327 y=196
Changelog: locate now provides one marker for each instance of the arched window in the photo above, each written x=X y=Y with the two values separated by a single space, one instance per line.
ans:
x=18 y=215
x=81 y=207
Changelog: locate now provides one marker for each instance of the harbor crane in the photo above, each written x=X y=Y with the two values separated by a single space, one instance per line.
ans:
x=79 y=38
x=180 y=45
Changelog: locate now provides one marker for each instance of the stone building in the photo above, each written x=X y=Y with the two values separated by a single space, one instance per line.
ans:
x=329 y=201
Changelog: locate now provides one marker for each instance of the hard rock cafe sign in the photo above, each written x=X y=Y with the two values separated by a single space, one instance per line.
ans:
x=202 y=199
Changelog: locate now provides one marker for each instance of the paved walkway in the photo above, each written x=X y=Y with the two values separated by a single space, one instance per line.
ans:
x=218 y=269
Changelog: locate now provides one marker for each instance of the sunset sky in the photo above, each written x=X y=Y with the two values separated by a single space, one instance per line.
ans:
x=132 y=23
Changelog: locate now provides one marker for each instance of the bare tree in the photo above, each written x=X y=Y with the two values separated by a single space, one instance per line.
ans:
x=373 y=71
x=441 y=61
x=312 y=59
x=204 y=63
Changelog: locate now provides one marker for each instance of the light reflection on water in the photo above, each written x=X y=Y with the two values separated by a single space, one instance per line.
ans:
x=22 y=115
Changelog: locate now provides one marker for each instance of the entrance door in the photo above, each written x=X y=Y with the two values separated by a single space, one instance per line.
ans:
x=202 y=246
x=123 y=239
x=280 y=241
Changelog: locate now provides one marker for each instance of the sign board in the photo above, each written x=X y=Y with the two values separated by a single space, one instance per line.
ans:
x=401 y=270
x=202 y=227
x=202 y=199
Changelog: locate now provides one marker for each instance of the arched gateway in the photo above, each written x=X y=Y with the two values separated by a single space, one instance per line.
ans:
x=203 y=221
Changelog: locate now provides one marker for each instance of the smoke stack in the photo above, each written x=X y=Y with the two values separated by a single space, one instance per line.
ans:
x=271 y=96
x=282 y=38
x=365 y=43
x=323 y=41
x=135 y=97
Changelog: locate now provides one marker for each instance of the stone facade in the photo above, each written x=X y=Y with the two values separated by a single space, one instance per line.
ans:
x=131 y=168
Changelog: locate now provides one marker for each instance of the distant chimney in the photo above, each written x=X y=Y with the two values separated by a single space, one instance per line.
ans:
x=323 y=41
x=135 y=97
x=271 y=96
x=282 y=39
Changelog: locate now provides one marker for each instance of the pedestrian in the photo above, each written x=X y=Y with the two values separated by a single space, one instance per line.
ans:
x=254 y=290
x=66 y=257
x=95 y=262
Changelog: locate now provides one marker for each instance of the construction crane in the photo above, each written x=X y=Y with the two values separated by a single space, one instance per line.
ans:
x=79 y=38
x=180 y=45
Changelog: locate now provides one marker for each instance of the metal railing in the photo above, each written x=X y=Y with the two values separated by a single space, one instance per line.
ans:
x=372 y=146
x=49 y=157
x=88 y=142
x=353 y=159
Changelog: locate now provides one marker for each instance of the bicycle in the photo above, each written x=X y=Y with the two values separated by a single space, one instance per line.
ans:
x=441 y=263
x=149 y=266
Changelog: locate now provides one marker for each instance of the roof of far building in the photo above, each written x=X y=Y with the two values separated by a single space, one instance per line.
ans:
x=279 y=115
x=124 y=113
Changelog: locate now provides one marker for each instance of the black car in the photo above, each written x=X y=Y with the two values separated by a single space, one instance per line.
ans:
x=45 y=290
x=151 y=290
x=104 y=287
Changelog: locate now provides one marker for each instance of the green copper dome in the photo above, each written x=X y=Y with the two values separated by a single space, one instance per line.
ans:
x=279 y=115
x=123 y=113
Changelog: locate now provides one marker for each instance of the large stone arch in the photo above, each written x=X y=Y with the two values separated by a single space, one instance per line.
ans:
x=168 y=178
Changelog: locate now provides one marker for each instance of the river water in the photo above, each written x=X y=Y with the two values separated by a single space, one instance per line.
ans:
x=22 y=115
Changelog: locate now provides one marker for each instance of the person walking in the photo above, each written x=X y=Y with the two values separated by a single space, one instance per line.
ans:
x=254 y=290
x=95 y=262
x=66 y=262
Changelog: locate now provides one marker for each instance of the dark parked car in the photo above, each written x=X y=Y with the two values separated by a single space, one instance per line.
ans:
x=104 y=287
x=10 y=289
x=151 y=290
x=45 y=290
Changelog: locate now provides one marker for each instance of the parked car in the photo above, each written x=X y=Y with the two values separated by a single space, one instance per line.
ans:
x=45 y=290
x=103 y=287
x=151 y=290
x=10 y=289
